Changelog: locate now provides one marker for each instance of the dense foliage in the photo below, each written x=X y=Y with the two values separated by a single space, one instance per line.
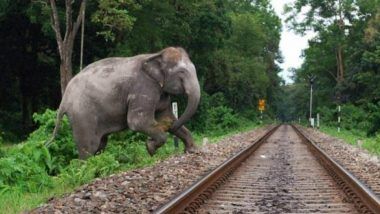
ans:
x=234 y=45
x=345 y=58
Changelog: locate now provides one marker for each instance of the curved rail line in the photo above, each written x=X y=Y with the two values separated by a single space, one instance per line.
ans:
x=192 y=198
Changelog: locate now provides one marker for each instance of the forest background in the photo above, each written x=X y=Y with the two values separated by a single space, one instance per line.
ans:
x=234 y=45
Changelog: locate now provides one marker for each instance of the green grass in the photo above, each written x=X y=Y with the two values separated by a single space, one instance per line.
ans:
x=16 y=202
x=80 y=172
x=372 y=144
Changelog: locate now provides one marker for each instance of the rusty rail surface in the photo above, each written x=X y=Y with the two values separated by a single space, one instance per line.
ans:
x=191 y=199
x=364 y=199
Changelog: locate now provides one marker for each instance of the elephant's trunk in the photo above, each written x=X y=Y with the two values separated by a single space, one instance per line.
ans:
x=193 y=93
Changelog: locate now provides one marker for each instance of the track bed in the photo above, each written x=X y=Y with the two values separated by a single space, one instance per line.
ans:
x=282 y=176
x=282 y=172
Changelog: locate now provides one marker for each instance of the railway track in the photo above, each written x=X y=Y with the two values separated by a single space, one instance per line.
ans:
x=282 y=172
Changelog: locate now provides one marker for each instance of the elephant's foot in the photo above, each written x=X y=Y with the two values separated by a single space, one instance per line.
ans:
x=152 y=146
x=84 y=155
x=192 y=150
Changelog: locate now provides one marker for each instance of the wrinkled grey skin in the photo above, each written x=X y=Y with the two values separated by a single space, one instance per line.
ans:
x=118 y=93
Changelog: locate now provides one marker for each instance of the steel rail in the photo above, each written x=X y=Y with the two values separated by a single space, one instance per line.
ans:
x=364 y=199
x=191 y=199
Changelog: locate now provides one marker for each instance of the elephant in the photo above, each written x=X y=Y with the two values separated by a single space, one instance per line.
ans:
x=117 y=93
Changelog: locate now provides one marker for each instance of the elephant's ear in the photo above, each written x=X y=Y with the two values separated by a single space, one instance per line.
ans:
x=157 y=64
x=153 y=66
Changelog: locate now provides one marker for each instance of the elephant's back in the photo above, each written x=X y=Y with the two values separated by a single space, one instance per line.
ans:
x=110 y=71
x=113 y=62
x=104 y=82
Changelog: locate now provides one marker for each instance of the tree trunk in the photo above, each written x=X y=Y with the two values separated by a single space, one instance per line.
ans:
x=66 y=75
x=66 y=70
x=66 y=44
x=340 y=74
x=340 y=65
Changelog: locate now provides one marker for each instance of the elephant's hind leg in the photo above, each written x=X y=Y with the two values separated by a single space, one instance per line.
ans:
x=87 y=141
x=103 y=143
x=88 y=145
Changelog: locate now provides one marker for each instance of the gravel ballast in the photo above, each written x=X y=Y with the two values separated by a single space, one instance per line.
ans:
x=144 y=190
x=362 y=164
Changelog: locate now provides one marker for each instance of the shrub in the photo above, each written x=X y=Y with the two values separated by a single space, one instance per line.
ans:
x=221 y=118
x=128 y=152
x=80 y=172
x=352 y=117
x=374 y=119
x=26 y=171
x=327 y=115
x=127 y=134
x=375 y=125
x=213 y=114
x=27 y=166
x=63 y=149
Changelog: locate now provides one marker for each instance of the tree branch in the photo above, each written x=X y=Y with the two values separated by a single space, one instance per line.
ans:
x=69 y=19
x=56 y=26
x=79 y=18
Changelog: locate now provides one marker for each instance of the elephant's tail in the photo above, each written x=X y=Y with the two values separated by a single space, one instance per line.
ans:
x=60 y=114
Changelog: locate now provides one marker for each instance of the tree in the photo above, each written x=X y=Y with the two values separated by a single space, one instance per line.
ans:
x=66 y=44
x=332 y=17
x=359 y=39
x=244 y=68
x=111 y=17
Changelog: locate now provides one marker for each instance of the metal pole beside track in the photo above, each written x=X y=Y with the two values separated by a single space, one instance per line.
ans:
x=338 y=118
x=311 y=81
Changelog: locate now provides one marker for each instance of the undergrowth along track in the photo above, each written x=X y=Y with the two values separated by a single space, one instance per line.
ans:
x=283 y=171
